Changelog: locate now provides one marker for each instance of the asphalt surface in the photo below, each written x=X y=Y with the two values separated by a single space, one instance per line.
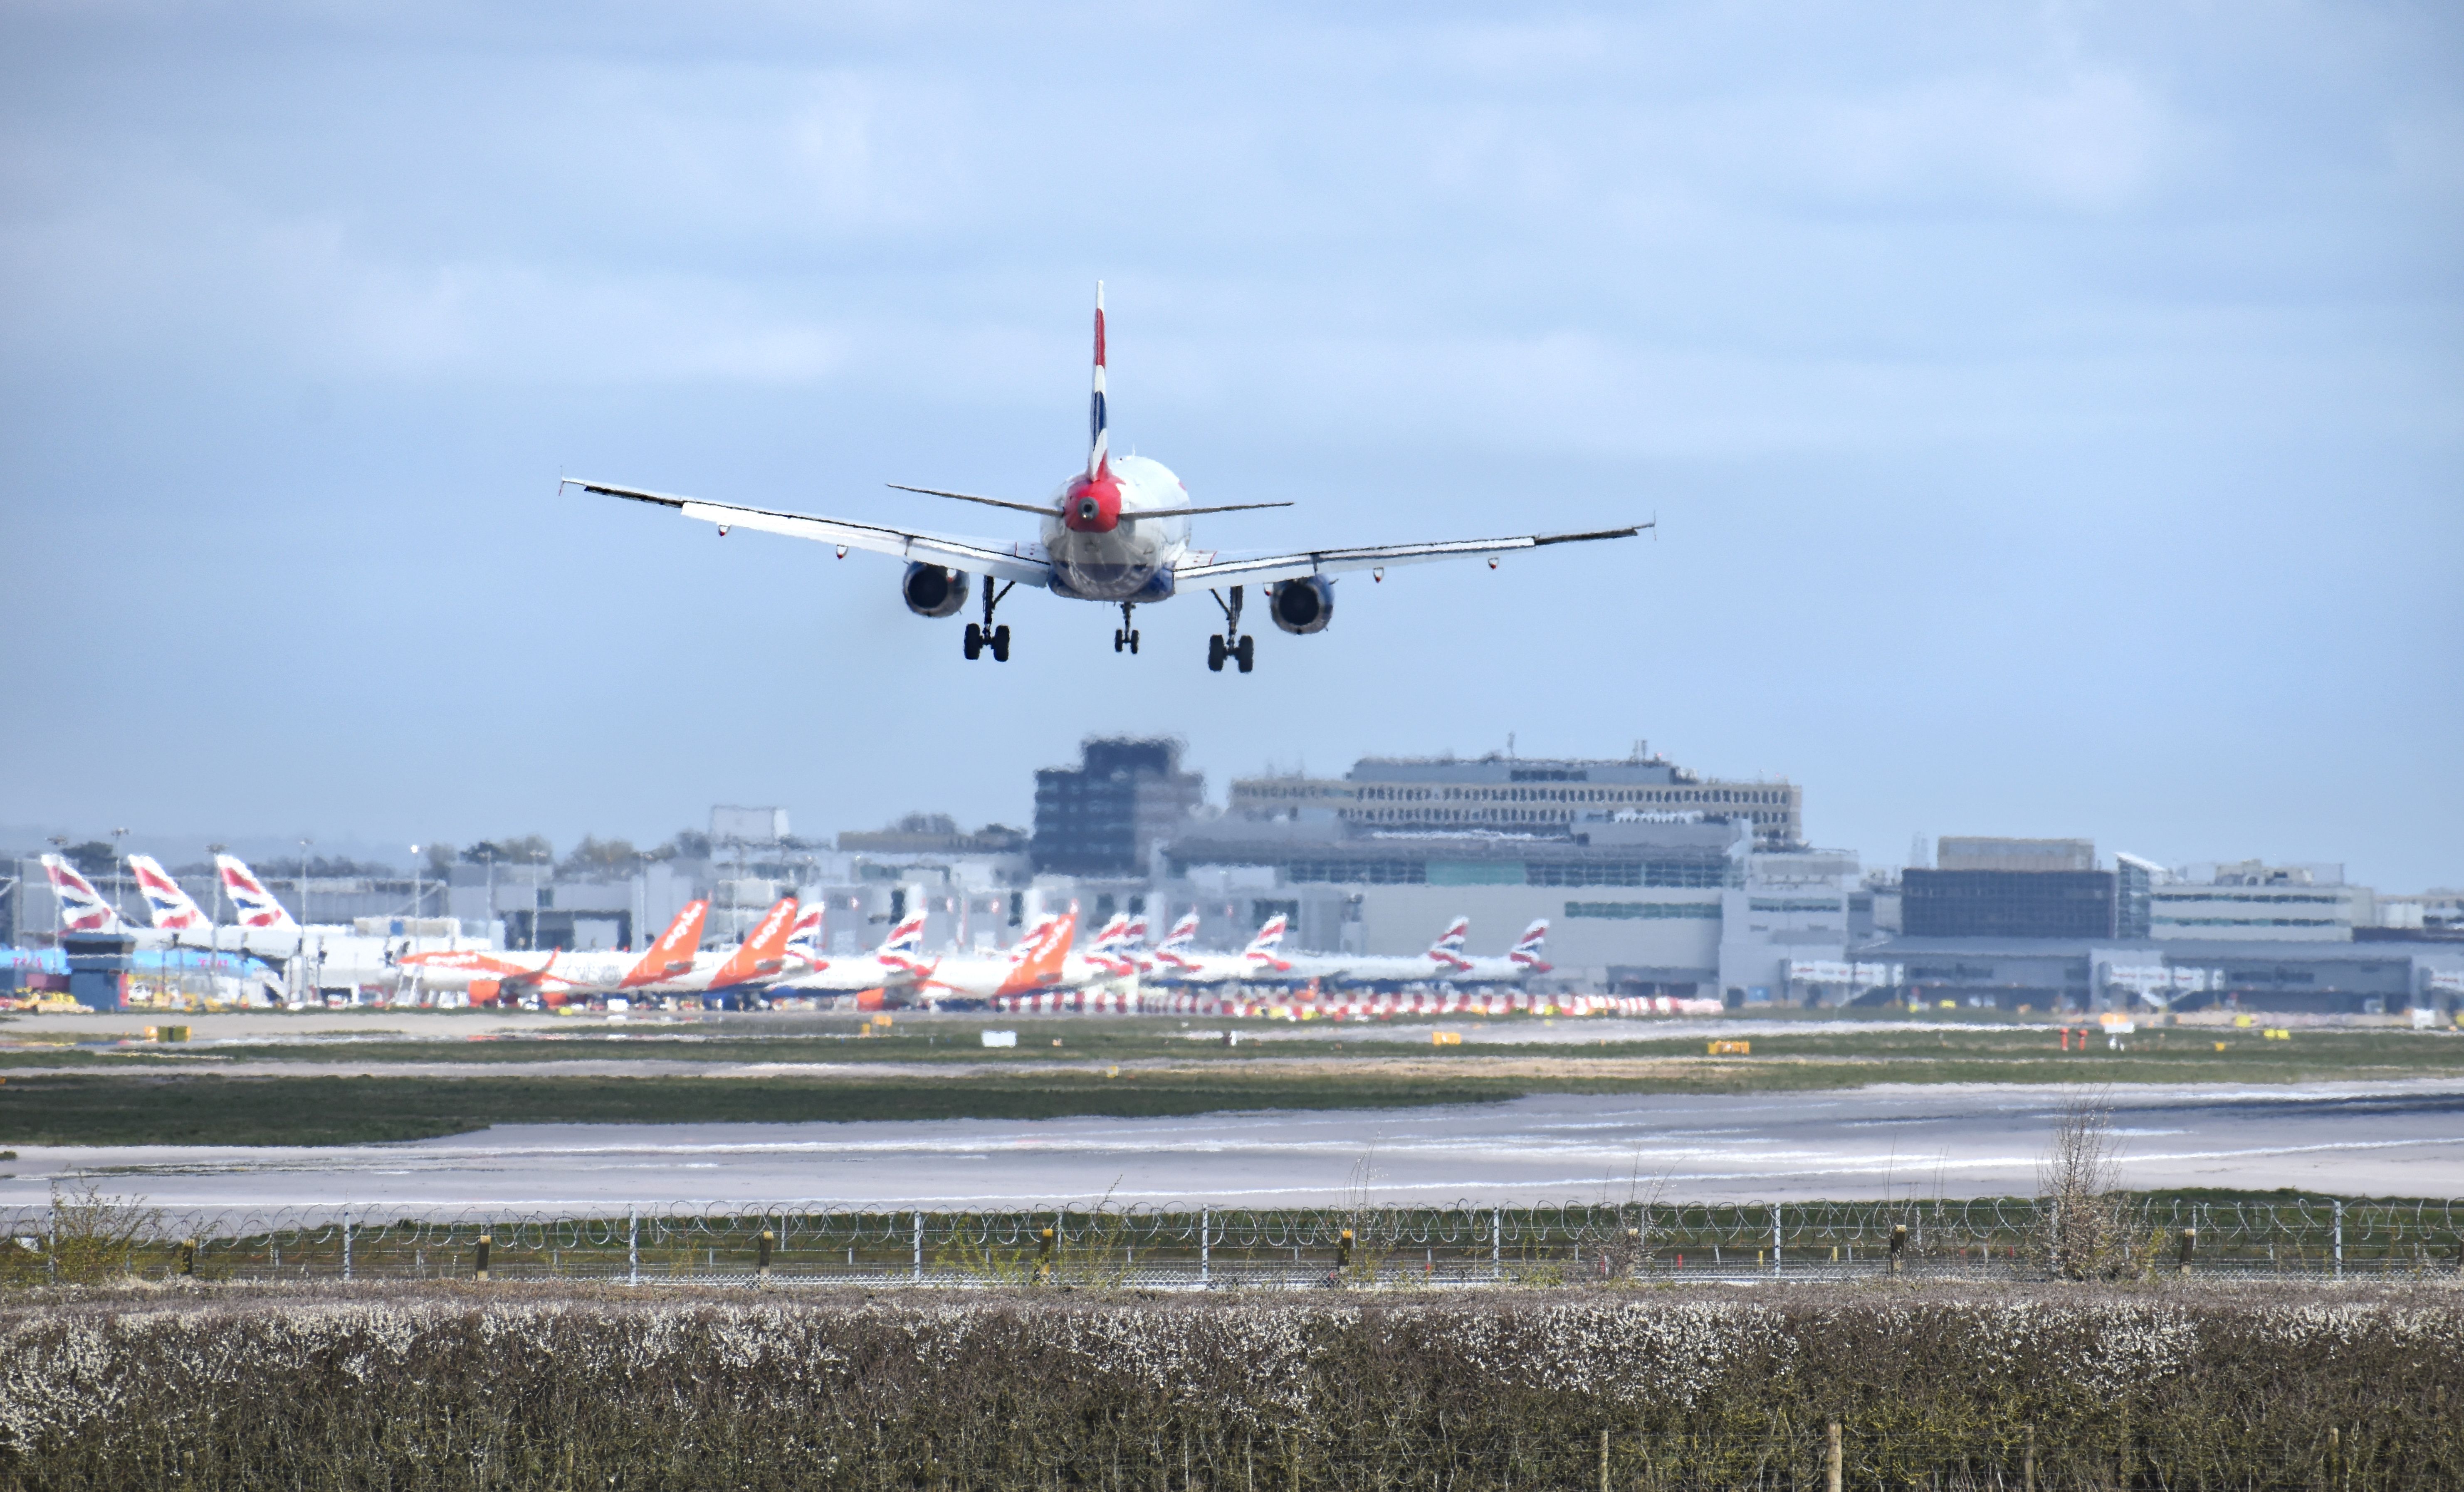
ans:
x=2393 y=1139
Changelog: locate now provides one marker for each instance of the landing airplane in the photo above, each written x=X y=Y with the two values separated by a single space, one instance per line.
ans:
x=1116 y=534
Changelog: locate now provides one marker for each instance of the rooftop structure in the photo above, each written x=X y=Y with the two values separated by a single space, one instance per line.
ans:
x=1104 y=816
x=1519 y=794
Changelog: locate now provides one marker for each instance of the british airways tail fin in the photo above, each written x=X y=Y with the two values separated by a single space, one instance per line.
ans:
x=256 y=907
x=905 y=940
x=1096 y=420
x=171 y=906
x=1183 y=933
x=1112 y=933
x=1269 y=938
x=1450 y=942
x=1525 y=952
x=82 y=908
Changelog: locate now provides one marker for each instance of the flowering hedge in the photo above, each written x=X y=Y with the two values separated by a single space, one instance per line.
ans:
x=491 y=1387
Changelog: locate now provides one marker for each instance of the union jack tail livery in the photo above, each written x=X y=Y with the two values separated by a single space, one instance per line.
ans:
x=672 y=956
x=1526 y=952
x=256 y=906
x=1097 y=456
x=1448 y=950
x=905 y=940
x=1269 y=938
x=1183 y=936
x=82 y=908
x=170 y=907
x=1113 y=934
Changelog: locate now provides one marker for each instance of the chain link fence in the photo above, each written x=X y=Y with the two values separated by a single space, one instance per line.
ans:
x=1192 y=1248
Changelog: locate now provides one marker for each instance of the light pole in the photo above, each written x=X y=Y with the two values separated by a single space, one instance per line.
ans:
x=304 y=842
x=120 y=874
x=414 y=886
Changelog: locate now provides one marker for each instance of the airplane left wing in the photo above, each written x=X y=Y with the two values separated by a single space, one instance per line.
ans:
x=1021 y=562
x=1215 y=571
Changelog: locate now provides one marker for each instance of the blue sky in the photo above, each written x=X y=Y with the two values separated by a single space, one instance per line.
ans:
x=2055 y=413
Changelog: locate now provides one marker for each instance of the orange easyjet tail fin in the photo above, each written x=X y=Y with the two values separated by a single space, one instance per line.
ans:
x=764 y=954
x=1042 y=964
x=672 y=956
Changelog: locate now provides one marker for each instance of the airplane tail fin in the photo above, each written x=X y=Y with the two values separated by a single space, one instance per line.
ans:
x=1096 y=420
x=1134 y=936
x=1450 y=942
x=764 y=953
x=1044 y=960
x=1526 y=947
x=170 y=905
x=1183 y=936
x=1269 y=938
x=673 y=955
x=82 y=908
x=1113 y=933
x=905 y=940
x=805 y=939
x=256 y=907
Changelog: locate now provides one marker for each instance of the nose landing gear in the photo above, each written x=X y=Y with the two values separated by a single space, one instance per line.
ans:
x=1241 y=649
x=988 y=635
x=1125 y=635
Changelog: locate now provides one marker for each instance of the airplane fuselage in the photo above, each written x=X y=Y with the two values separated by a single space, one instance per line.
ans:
x=1115 y=536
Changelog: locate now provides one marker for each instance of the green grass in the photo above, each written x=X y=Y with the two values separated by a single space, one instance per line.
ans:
x=394 y=1101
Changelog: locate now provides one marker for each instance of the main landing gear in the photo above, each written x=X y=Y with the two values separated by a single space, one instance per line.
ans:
x=1241 y=649
x=988 y=635
x=1126 y=636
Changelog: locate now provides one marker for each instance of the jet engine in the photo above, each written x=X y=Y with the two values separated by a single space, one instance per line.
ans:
x=1304 y=605
x=932 y=591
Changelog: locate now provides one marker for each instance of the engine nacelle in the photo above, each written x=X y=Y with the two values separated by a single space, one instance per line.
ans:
x=932 y=591
x=1304 y=605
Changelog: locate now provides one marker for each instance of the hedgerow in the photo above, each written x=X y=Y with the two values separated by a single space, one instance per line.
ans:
x=487 y=1387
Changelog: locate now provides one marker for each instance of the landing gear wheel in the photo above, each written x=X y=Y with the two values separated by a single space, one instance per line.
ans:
x=1000 y=642
x=1134 y=642
x=974 y=641
x=1119 y=639
x=1248 y=654
x=1215 y=653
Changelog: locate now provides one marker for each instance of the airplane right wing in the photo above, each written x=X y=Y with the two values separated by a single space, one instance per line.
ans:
x=1212 y=571
x=1021 y=563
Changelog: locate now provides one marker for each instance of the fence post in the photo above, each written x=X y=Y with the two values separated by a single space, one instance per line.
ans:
x=189 y=1258
x=1899 y=1244
x=347 y=1248
x=1604 y=1461
x=633 y=1244
x=1775 y=1269
x=2190 y=1243
x=1832 y=1468
x=1203 y=1219
x=1497 y=1243
x=919 y=1248
x=480 y=1273
x=761 y=1264
x=2027 y=1466
x=2339 y=1246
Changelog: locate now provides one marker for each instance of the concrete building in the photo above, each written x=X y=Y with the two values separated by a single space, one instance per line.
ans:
x=1437 y=794
x=2085 y=975
x=1106 y=816
x=2007 y=902
x=2253 y=901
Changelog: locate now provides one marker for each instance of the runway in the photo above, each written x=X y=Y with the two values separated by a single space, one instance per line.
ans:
x=2389 y=1139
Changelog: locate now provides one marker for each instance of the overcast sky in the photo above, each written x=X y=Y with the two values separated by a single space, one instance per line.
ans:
x=2054 y=413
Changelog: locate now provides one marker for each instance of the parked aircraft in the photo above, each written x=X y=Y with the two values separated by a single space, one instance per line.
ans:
x=1177 y=962
x=1115 y=534
x=1521 y=961
x=812 y=970
x=556 y=976
x=1035 y=963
